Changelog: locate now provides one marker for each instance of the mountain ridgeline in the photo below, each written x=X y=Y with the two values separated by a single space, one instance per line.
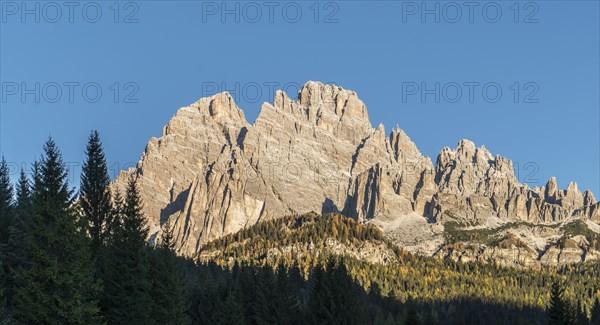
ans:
x=211 y=173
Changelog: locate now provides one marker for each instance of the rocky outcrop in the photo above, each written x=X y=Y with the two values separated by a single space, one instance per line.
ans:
x=212 y=173
x=519 y=247
x=473 y=185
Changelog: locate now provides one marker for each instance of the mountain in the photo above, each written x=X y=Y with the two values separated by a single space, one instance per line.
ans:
x=211 y=173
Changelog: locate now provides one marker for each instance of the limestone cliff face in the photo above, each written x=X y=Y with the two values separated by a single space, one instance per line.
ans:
x=473 y=184
x=212 y=173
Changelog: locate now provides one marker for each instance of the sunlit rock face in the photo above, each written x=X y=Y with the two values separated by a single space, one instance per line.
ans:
x=212 y=173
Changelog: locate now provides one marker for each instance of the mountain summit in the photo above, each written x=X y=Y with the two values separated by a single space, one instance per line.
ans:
x=212 y=173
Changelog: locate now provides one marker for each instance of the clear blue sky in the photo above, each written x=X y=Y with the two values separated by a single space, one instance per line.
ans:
x=178 y=50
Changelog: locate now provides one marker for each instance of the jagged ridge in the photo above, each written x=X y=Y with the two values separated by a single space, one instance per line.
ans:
x=212 y=173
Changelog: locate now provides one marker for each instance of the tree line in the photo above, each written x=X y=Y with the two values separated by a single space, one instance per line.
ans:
x=440 y=291
x=81 y=258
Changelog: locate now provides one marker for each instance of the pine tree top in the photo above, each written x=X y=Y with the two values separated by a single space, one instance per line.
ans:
x=6 y=189
x=23 y=189
x=133 y=228
x=53 y=177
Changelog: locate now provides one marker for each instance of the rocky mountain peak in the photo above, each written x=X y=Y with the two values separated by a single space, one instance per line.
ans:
x=468 y=170
x=588 y=198
x=467 y=152
x=219 y=109
x=222 y=106
x=465 y=148
x=403 y=147
x=211 y=173
x=343 y=103
x=551 y=190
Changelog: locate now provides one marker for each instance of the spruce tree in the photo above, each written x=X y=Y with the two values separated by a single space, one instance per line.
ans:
x=264 y=304
x=557 y=310
x=167 y=241
x=580 y=316
x=169 y=301
x=7 y=219
x=36 y=179
x=115 y=219
x=379 y=318
x=390 y=319
x=15 y=247
x=14 y=250
x=6 y=204
x=412 y=318
x=126 y=298
x=133 y=228
x=231 y=311
x=58 y=286
x=246 y=282
x=3 y=319
x=334 y=298
x=595 y=314
x=94 y=191
x=346 y=294
x=321 y=300
x=287 y=303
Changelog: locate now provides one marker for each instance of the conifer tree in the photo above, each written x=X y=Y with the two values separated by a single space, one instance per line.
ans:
x=390 y=319
x=58 y=286
x=264 y=304
x=116 y=219
x=580 y=316
x=94 y=191
x=14 y=250
x=126 y=298
x=595 y=314
x=379 y=318
x=334 y=298
x=6 y=204
x=287 y=303
x=346 y=292
x=6 y=222
x=36 y=187
x=167 y=241
x=3 y=319
x=321 y=298
x=246 y=282
x=133 y=228
x=557 y=310
x=231 y=311
x=169 y=301
x=412 y=318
